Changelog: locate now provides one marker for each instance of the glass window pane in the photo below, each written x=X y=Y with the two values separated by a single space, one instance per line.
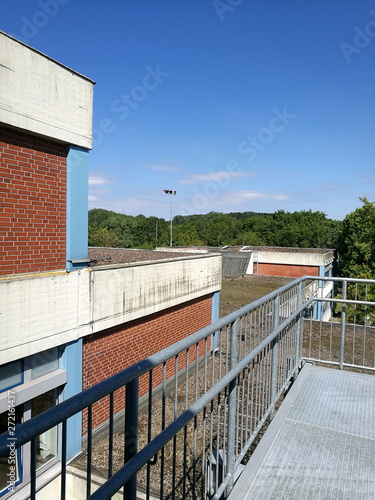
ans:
x=46 y=445
x=10 y=375
x=44 y=362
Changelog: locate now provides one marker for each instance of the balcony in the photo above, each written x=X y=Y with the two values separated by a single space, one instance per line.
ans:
x=275 y=400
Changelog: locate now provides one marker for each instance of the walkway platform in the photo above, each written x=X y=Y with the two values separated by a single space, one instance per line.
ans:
x=321 y=443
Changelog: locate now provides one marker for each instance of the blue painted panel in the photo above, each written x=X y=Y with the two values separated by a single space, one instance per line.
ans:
x=71 y=361
x=77 y=206
x=215 y=306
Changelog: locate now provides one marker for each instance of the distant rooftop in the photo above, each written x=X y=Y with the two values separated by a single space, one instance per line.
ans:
x=249 y=248
x=276 y=249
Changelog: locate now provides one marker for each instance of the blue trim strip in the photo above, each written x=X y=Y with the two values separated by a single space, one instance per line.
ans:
x=71 y=361
x=77 y=207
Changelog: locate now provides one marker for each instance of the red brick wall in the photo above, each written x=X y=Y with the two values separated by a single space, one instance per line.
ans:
x=32 y=203
x=287 y=270
x=110 y=351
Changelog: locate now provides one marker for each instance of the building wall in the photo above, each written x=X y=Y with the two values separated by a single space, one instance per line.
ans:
x=287 y=270
x=112 y=350
x=43 y=96
x=33 y=203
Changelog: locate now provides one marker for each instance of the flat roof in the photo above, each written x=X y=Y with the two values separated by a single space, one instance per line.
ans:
x=282 y=249
x=249 y=248
x=101 y=256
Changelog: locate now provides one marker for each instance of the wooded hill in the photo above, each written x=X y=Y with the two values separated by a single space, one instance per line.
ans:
x=298 y=229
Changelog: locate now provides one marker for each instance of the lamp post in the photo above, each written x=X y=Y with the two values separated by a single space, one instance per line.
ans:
x=170 y=192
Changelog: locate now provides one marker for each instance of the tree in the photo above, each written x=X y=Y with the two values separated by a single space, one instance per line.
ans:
x=101 y=237
x=357 y=242
x=298 y=229
x=357 y=259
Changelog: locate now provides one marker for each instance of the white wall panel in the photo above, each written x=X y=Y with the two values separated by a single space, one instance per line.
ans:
x=296 y=258
x=39 y=311
x=42 y=96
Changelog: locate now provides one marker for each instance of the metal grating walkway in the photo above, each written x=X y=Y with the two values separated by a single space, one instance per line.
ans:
x=321 y=443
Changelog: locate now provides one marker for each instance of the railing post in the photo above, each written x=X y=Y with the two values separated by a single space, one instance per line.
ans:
x=232 y=408
x=274 y=356
x=343 y=323
x=298 y=328
x=131 y=434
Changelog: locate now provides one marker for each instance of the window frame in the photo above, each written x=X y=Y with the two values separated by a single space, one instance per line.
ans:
x=24 y=393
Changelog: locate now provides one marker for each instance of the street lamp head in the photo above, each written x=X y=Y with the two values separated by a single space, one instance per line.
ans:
x=169 y=191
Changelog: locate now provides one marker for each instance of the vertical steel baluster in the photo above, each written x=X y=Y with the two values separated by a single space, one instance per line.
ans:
x=274 y=357
x=162 y=451
x=149 y=435
x=89 y=450
x=110 y=435
x=131 y=434
x=175 y=413
x=33 y=469
x=232 y=404
x=343 y=321
x=297 y=355
x=63 y=460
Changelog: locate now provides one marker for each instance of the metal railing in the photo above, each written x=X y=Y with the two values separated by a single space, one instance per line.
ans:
x=207 y=398
x=347 y=340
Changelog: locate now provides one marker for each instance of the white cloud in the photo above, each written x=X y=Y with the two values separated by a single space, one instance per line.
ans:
x=220 y=176
x=132 y=206
x=97 y=180
x=239 y=196
x=162 y=168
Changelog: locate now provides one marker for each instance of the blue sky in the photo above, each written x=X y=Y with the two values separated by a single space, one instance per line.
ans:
x=252 y=105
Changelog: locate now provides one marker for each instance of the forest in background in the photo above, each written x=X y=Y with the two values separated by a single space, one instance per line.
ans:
x=354 y=237
x=298 y=229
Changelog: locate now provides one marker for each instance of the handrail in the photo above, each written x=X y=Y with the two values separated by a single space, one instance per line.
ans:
x=54 y=416
x=130 y=468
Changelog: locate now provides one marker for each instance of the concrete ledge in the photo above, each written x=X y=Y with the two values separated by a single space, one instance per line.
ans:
x=44 y=310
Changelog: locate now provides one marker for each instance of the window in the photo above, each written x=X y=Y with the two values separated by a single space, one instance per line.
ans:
x=11 y=375
x=10 y=466
x=27 y=388
x=44 y=362
x=46 y=446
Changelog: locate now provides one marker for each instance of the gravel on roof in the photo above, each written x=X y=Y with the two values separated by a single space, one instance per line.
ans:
x=101 y=256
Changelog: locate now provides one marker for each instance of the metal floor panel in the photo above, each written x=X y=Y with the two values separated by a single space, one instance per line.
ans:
x=321 y=443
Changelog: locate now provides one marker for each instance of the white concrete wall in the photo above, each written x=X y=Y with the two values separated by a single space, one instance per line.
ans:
x=326 y=289
x=182 y=249
x=296 y=258
x=75 y=486
x=250 y=267
x=125 y=294
x=42 y=96
x=49 y=309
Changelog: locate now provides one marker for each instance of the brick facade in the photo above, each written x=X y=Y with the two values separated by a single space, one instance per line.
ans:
x=110 y=351
x=291 y=271
x=33 y=203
